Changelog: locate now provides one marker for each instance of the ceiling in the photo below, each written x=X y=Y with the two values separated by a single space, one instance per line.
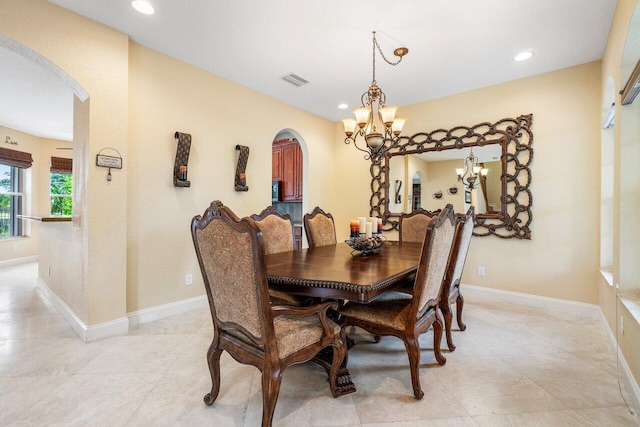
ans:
x=454 y=46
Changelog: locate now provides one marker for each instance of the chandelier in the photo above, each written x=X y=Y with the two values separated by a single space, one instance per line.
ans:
x=376 y=122
x=470 y=172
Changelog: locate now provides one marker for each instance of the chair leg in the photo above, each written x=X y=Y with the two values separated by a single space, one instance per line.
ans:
x=448 y=319
x=459 y=306
x=413 y=351
x=271 y=380
x=213 y=358
x=437 y=339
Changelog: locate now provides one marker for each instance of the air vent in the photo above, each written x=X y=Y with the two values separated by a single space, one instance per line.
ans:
x=295 y=80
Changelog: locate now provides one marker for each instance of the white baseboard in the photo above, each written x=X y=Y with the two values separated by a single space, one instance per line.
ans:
x=86 y=333
x=628 y=379
x=18 y=261
x=573 y=307
x=166 y=310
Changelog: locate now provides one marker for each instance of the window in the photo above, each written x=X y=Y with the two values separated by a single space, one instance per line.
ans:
x=61 y=194
x=11 y=201
x=61 y=186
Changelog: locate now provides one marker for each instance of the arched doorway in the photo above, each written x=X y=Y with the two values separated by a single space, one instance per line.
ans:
x=288 y=175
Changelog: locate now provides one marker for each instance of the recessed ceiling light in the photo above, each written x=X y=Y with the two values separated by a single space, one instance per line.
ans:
x=523 y=56
x=143 y=6
x=343 y=106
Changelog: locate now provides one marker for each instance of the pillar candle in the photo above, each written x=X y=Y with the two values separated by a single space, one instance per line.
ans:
x=374 y=224
x=363 y=224
x=380 y=225
x=368 y=230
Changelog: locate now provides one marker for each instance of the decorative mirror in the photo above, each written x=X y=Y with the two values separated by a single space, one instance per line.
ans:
x=503 y=151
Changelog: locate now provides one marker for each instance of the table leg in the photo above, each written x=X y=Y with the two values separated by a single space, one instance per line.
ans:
x=344 y=385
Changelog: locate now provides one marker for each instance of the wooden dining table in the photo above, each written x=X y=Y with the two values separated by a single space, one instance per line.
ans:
x=336 y=272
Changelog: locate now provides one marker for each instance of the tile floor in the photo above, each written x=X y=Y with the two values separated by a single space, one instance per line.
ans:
x=514 y=366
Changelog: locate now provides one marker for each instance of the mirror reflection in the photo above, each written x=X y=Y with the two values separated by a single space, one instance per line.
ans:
x=433 y=182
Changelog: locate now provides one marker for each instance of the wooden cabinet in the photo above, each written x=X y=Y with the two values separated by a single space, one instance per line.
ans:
x=286 y=165
x=297 y=238
x=276 y=164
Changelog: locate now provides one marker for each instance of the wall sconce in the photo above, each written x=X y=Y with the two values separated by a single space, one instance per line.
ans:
x=437 y=195
x=632 y=87
x=609 y=121
x=452 y=190
x=398 y=187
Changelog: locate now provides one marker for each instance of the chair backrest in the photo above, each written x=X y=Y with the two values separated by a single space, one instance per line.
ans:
x=231 y=257
x=412 y=227
x=461 y=247
x=434 y=259
x=319 y=228
x=277 y=230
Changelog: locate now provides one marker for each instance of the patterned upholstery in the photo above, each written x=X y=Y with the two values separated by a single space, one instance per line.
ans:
x=245 y=324
x=412 y=227
x=319 y=228
x=408 y=316
x=451 y=288
x=231 y=275
x=277 y=235
x=277 y=230
x=438 y=257
x=466 y=232
x=294 y=333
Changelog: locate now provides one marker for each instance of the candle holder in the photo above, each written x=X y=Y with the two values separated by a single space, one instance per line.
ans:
x=364 y=246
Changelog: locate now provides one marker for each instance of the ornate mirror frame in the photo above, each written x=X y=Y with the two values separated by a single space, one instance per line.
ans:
x=516 y=138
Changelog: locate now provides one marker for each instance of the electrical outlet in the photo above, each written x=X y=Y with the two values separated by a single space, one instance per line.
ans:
x=15 y=248
x=189 y=279
x=481 y=271
x=621 y=325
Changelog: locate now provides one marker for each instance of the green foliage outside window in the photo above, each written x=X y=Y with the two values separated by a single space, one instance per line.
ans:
x=61 y=190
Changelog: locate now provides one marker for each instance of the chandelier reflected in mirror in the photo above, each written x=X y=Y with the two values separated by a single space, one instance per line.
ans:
x=375 y=122
x=470 y=172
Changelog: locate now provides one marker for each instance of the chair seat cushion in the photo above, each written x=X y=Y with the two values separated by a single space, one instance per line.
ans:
x=293 y=333
x=388 y=310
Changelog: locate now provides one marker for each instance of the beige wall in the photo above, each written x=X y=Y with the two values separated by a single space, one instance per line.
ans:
x=165 y=96
x=95 y=58
x=626 y=188
x=561 y=259
x=440 y=177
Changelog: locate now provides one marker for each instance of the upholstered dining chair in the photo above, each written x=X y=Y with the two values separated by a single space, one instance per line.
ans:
x=412 y=226
x=231 y=257
x=277 y=235
x=319 y=228
x=409 y=317
x=451 y=288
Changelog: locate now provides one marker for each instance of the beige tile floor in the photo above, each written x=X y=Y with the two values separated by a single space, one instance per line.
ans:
x=514 y=366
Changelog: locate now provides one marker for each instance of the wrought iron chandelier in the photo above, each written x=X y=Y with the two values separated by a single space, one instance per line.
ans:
x=376 y=121
x=470 y=172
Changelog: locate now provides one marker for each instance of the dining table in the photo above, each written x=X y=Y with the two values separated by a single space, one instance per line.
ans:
x=337 y=272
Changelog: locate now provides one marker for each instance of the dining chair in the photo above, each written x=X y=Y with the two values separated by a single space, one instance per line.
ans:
x=277 y=235
x=451 y=288
x=319 y=228
x=412 y=226
x=408 y=318
x=230 y=253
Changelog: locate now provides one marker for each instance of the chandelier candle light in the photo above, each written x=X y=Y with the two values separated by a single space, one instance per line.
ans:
x=468 y=174
x=376 y=122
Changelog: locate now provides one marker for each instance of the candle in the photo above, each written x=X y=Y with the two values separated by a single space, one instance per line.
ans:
x=363 y=224
x=380 y=225
x=374 y=224
x=354 y=227
x=368 y=230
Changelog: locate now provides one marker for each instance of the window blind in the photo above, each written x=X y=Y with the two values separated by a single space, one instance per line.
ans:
x=18 y=159
x=61 y=165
